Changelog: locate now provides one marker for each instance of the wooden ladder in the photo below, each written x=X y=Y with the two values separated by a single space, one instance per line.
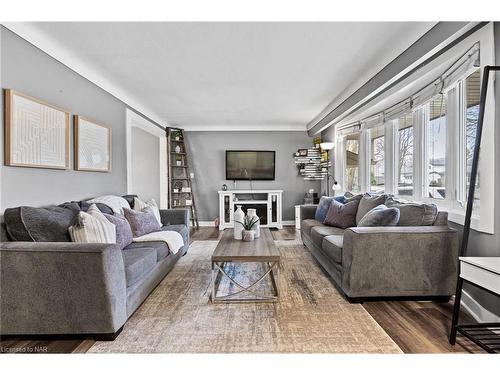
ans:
x=180 y=187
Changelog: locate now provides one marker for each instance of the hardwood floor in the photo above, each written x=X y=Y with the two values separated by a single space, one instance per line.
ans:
x=417 y=327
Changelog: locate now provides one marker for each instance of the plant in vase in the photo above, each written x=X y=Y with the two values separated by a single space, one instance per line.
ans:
x=248 y=224
x=178 y=160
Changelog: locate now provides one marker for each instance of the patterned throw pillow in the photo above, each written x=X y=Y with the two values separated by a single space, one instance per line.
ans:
x=116 y=203
x=140 y=205
x=92 y=227
x=123 y=230
x=342 y=215
x=142 y=222
x=380 y=216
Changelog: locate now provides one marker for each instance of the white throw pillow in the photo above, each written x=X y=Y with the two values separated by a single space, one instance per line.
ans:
x=140 y=205
x=92 y=227
x=116 y=203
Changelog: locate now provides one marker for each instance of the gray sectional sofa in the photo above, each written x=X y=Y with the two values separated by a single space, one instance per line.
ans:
x=366 y=263
x=66 y=288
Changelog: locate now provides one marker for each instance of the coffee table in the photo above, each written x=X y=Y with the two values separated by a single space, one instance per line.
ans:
x=261 y=250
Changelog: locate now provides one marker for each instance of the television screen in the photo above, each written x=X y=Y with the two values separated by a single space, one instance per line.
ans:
x=250 y=165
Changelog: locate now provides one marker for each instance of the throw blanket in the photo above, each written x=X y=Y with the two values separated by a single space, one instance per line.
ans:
x=171 y=238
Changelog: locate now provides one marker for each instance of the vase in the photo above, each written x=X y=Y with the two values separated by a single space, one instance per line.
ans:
x=177 y=149
x=252 y=213
x=248 y=235
x=239 y=215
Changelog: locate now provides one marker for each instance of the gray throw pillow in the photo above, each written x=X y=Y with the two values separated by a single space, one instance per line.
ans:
x=142 y=222
x=413 y=213
x=367 y=203
x=380 y=216
x=342 y=215
x=123 y=231
x=322 y=209
x=46 y=224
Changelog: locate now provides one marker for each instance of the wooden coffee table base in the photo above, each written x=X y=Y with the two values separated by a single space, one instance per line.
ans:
x=230 y=251
x=218 y=273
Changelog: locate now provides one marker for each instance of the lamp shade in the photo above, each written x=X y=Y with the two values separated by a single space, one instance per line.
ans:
x=326 y=145
x=336 y=186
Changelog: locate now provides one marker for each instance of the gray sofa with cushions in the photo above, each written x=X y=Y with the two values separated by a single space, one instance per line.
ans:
x=404 y=262
x=66 y=288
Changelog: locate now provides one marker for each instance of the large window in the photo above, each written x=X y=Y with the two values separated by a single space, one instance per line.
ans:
x=352 y=162
x=472 y=91
x=377 y=160
x=436 y=148
x=405 y=155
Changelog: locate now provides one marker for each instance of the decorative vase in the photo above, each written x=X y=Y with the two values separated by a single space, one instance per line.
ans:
x=239 y=215
x=177 y=149
x=252 y=213
x=248 y=235
x=179 y=163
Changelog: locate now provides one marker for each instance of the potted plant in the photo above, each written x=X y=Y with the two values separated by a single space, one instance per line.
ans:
x=178 y=160
x=248 y=223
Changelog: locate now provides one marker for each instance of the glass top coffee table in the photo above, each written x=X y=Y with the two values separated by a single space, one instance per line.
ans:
x=262 y=251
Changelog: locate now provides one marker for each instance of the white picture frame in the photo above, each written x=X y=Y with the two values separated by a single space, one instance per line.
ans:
x=92 y=145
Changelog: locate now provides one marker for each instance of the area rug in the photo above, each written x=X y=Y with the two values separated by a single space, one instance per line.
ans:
x=311 y=316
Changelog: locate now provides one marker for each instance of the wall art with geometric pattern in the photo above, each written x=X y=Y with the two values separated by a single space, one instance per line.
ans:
x=36 y=133
x=92 y=145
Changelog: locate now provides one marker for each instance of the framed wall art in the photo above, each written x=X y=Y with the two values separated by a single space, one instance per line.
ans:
x=36 y=133
x=92 y=145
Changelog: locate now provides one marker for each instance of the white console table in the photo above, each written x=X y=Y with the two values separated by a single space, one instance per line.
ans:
x=267 y=202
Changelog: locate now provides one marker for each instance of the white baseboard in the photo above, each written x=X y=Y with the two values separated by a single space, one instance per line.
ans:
x=288 y=222
x=478 y=312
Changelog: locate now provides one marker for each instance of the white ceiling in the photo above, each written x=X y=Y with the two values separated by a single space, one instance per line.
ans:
x=228 y=75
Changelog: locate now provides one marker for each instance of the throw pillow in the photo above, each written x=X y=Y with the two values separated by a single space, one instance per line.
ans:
x=380 y=216
x=140 y=205
x=92 y=227
x=142 y=222
x=342 y=215
x=33 y=224
x=116 y=203
x=367 y=203
x=322 y=209
x=352 y=197
x=340 y=198
x=412 y=213
x=123 y=230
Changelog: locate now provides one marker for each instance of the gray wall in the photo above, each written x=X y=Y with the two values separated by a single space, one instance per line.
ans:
x=145 y=164
x=29 y=70
x=207 y=158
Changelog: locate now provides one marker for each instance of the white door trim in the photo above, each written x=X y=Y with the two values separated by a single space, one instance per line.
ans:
x=137 y=121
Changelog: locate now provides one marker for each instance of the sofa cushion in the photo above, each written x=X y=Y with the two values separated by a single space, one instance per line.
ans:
x=130 y=199
x=307 y=224
x=140 y=205
x=143 y=222
x=48 y=224
x=138 y=263
x=380 y=216
x=180 y=228
x=342 y=215
x=122 y=228
x=332 y=246
x=92 y=227
x=367 y=203
x=160 y=247
x=413 y=213
x=322 y=209
x=320 y=231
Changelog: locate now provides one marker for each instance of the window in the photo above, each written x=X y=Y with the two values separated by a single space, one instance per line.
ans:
x=377 y=160
x=472 y=93
x=352 y=162
x=436 y=148
x=405 y=155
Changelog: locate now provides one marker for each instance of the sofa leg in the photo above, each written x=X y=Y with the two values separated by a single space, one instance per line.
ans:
x=354 y=299
x=107 y=336
x=443 y=299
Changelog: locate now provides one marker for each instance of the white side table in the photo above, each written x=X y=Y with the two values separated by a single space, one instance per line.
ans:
x=483 y=272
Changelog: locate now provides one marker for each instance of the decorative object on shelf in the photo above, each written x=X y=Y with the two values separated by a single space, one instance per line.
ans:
x=178 y=160
x=239 y=215
x=189 y=202
x=224 y=187
x=177 y=134
x=252 y=213
x=301 y=152
x=92 y=145
x=36 y=133
x=177 y=149
x=312 y=166
x=186 y=189
x=248 y=224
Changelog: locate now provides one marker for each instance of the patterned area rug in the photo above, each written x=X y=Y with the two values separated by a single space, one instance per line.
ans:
x=311 y=316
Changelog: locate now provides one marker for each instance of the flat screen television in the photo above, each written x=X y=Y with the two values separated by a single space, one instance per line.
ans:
x=250 y=165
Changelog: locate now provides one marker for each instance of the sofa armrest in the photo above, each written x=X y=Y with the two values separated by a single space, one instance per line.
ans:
x=308 y=211
x=61 y=288
x=175 y=216
x=399 y=261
